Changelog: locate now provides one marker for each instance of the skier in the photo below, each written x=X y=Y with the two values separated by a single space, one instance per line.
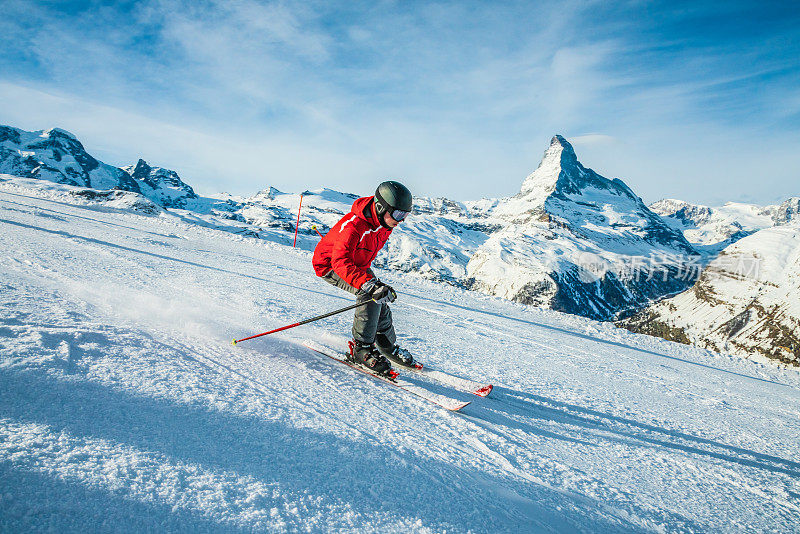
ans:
x=344 y=257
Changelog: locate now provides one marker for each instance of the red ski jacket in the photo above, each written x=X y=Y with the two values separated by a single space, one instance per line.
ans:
x=350 y=246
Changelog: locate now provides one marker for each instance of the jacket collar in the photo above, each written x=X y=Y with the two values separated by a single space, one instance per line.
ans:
x=364 y=208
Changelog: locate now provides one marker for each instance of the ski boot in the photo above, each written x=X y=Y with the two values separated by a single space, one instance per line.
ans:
x=366 y=355
x=399 y=356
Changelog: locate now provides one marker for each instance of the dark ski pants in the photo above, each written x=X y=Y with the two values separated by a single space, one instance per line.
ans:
x=373 y=321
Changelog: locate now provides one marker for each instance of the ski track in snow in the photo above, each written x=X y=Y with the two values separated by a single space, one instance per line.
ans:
x=124 y=407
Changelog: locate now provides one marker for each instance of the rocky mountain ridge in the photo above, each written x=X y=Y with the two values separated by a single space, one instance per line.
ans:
x=57 y=156
x=718 y=227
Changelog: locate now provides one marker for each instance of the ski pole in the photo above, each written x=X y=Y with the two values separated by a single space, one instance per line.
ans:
x=235 y=341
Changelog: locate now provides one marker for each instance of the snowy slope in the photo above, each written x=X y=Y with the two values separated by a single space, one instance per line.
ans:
x=747 y=301
x=124 y=408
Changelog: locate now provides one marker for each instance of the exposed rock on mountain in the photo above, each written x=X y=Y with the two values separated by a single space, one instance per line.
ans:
x=118 y=199
x=163 y=186
x=787 y=212
x=56 y=155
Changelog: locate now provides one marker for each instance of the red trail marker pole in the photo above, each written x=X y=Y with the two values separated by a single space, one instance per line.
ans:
x=297 y=226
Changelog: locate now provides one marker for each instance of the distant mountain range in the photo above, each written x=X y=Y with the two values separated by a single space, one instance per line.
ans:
x=570 y=240
x=57 y=156
x=716 y=228
x=747 y=300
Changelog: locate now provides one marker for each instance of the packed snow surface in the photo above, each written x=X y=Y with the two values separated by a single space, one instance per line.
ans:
x=123 y=406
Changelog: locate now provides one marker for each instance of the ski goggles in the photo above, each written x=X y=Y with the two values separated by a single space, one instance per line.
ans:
x=399 y=215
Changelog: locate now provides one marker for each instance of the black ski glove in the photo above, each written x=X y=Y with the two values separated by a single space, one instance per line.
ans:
x=380 y=292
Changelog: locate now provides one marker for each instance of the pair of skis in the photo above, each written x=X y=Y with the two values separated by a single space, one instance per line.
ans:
x=462 y=384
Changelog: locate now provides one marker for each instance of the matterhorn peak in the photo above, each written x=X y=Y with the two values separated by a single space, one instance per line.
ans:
x=558 y=157
x=561 y=149
x=560 y=175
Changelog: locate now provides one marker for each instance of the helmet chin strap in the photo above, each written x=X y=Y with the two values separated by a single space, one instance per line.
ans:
x=379 y=215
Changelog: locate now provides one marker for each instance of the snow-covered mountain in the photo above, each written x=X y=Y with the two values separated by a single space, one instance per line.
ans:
x=714 y=228
x=787 y=212
x=163 y=186
x=575 y=241
x=745 y=301
x=57 y=156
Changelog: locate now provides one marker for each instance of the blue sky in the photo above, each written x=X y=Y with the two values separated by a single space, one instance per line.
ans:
x=691 y=100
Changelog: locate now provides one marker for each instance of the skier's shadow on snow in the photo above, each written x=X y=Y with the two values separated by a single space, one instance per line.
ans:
x=85 y=509
x=628 y=431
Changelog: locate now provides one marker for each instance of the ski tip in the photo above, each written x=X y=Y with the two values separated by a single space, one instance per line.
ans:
x=417 y=366
x=457 y=407
x=483 y=391
x=233 y=342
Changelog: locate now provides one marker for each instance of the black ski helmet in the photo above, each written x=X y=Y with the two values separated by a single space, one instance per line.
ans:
x=392 y=196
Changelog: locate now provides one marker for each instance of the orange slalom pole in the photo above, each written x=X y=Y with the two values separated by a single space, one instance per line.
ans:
x=297 y=226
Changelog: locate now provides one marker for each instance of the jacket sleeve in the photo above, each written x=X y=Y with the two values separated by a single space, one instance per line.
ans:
x=342 y=257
